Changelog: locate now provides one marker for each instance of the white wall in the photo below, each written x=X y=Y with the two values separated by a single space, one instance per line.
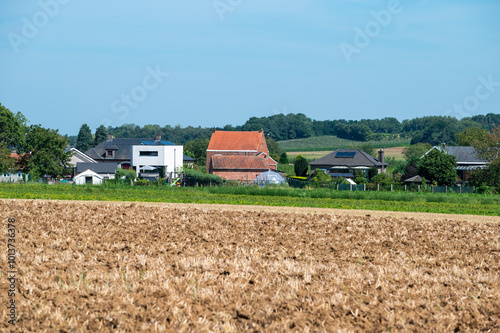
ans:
x=170 y=157
x=11 y=177
x=80 y=178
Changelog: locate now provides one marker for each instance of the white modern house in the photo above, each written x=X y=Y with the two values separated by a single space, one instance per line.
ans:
x=152 y=160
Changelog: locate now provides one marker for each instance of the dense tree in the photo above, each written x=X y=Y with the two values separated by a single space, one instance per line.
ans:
x=101 y=135
x=6 y=162
x=417 y=150
x=300 y=166
x=281 y=127
x=411 y=167
x=489 y=147
x=440 y=167
x=489 y=150
x=437 y=130
x=198 y=148
x=45 y=152
x=471 y=136
x=11 y=128
x=433 y=130
x=84 y=141
x=487 y=122
x=274 y=148
x=367 y=148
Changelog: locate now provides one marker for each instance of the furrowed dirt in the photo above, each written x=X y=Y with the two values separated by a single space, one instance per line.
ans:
x=127 y=267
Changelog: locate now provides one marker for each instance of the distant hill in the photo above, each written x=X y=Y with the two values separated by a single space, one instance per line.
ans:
x=280 y=127
x=329 y=142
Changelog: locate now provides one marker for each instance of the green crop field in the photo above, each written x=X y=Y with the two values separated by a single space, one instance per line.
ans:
x=319 y=143
x=266 y=196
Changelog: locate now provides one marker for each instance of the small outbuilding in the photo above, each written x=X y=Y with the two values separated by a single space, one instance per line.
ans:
x=88 y=177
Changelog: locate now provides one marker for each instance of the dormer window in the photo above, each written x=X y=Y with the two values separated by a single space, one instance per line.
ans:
x=110 y=153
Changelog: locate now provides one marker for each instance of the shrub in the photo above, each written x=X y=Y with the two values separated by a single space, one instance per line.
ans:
x=128 y=174
x=202 y=178
x=382 y=178
x=360 y=180
x=284 y=158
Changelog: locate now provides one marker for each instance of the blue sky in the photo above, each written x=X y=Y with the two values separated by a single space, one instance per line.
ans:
x=216 y=62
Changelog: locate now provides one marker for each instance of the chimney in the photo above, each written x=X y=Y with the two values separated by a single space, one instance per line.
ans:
x=110 y=137
x=213 y=131
x=158 y=137
x=261 y=130
x=381 y=159
x=443 y=145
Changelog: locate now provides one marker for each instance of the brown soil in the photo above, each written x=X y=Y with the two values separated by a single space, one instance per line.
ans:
x=127 y=267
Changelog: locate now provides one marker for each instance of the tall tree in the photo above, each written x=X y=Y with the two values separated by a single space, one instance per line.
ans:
x=45 y=152
x=101 y=134
x=274 y=148
x=6 y=162
x=417 y=150
x=283 y=158
x=489 y=150
x=198 y=147
x=471 y=136
x=11 y=128
x=440 y=167
x=84 y=141
x=300 y=166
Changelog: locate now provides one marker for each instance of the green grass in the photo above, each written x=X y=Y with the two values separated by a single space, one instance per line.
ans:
x=319 y=143
x=449 y=203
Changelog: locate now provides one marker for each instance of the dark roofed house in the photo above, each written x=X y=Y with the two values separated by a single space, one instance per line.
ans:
x=238 y=155
x=343 y=162
x=467 y=159
x=119 y=151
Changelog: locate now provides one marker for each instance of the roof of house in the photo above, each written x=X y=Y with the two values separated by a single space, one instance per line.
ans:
x=237 y=140
x=347 y=158
x=186 y=158
x=416 y=179
x=464 y=154
x=100 y=168
x=80 y=155
x=122 y=147
x=88 y=172
x=14 y=156
x=239 y=162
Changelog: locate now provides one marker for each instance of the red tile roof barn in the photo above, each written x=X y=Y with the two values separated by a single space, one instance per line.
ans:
x=224 y=162
x=234 y=141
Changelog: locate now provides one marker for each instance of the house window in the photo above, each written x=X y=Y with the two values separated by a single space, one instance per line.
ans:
x=110 y=153
x=148 y=153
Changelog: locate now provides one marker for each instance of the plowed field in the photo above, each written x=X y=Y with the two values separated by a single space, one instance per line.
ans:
x=129 y=267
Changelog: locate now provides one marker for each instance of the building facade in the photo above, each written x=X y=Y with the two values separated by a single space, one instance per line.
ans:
x=239 y=155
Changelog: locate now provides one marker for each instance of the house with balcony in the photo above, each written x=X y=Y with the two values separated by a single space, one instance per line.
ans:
x=157 y=159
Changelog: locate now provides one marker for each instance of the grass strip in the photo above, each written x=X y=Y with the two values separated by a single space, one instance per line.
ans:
x=267 y=196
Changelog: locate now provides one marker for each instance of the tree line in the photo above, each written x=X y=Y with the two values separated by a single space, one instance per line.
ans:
x=430 y=129
x=40 y=151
